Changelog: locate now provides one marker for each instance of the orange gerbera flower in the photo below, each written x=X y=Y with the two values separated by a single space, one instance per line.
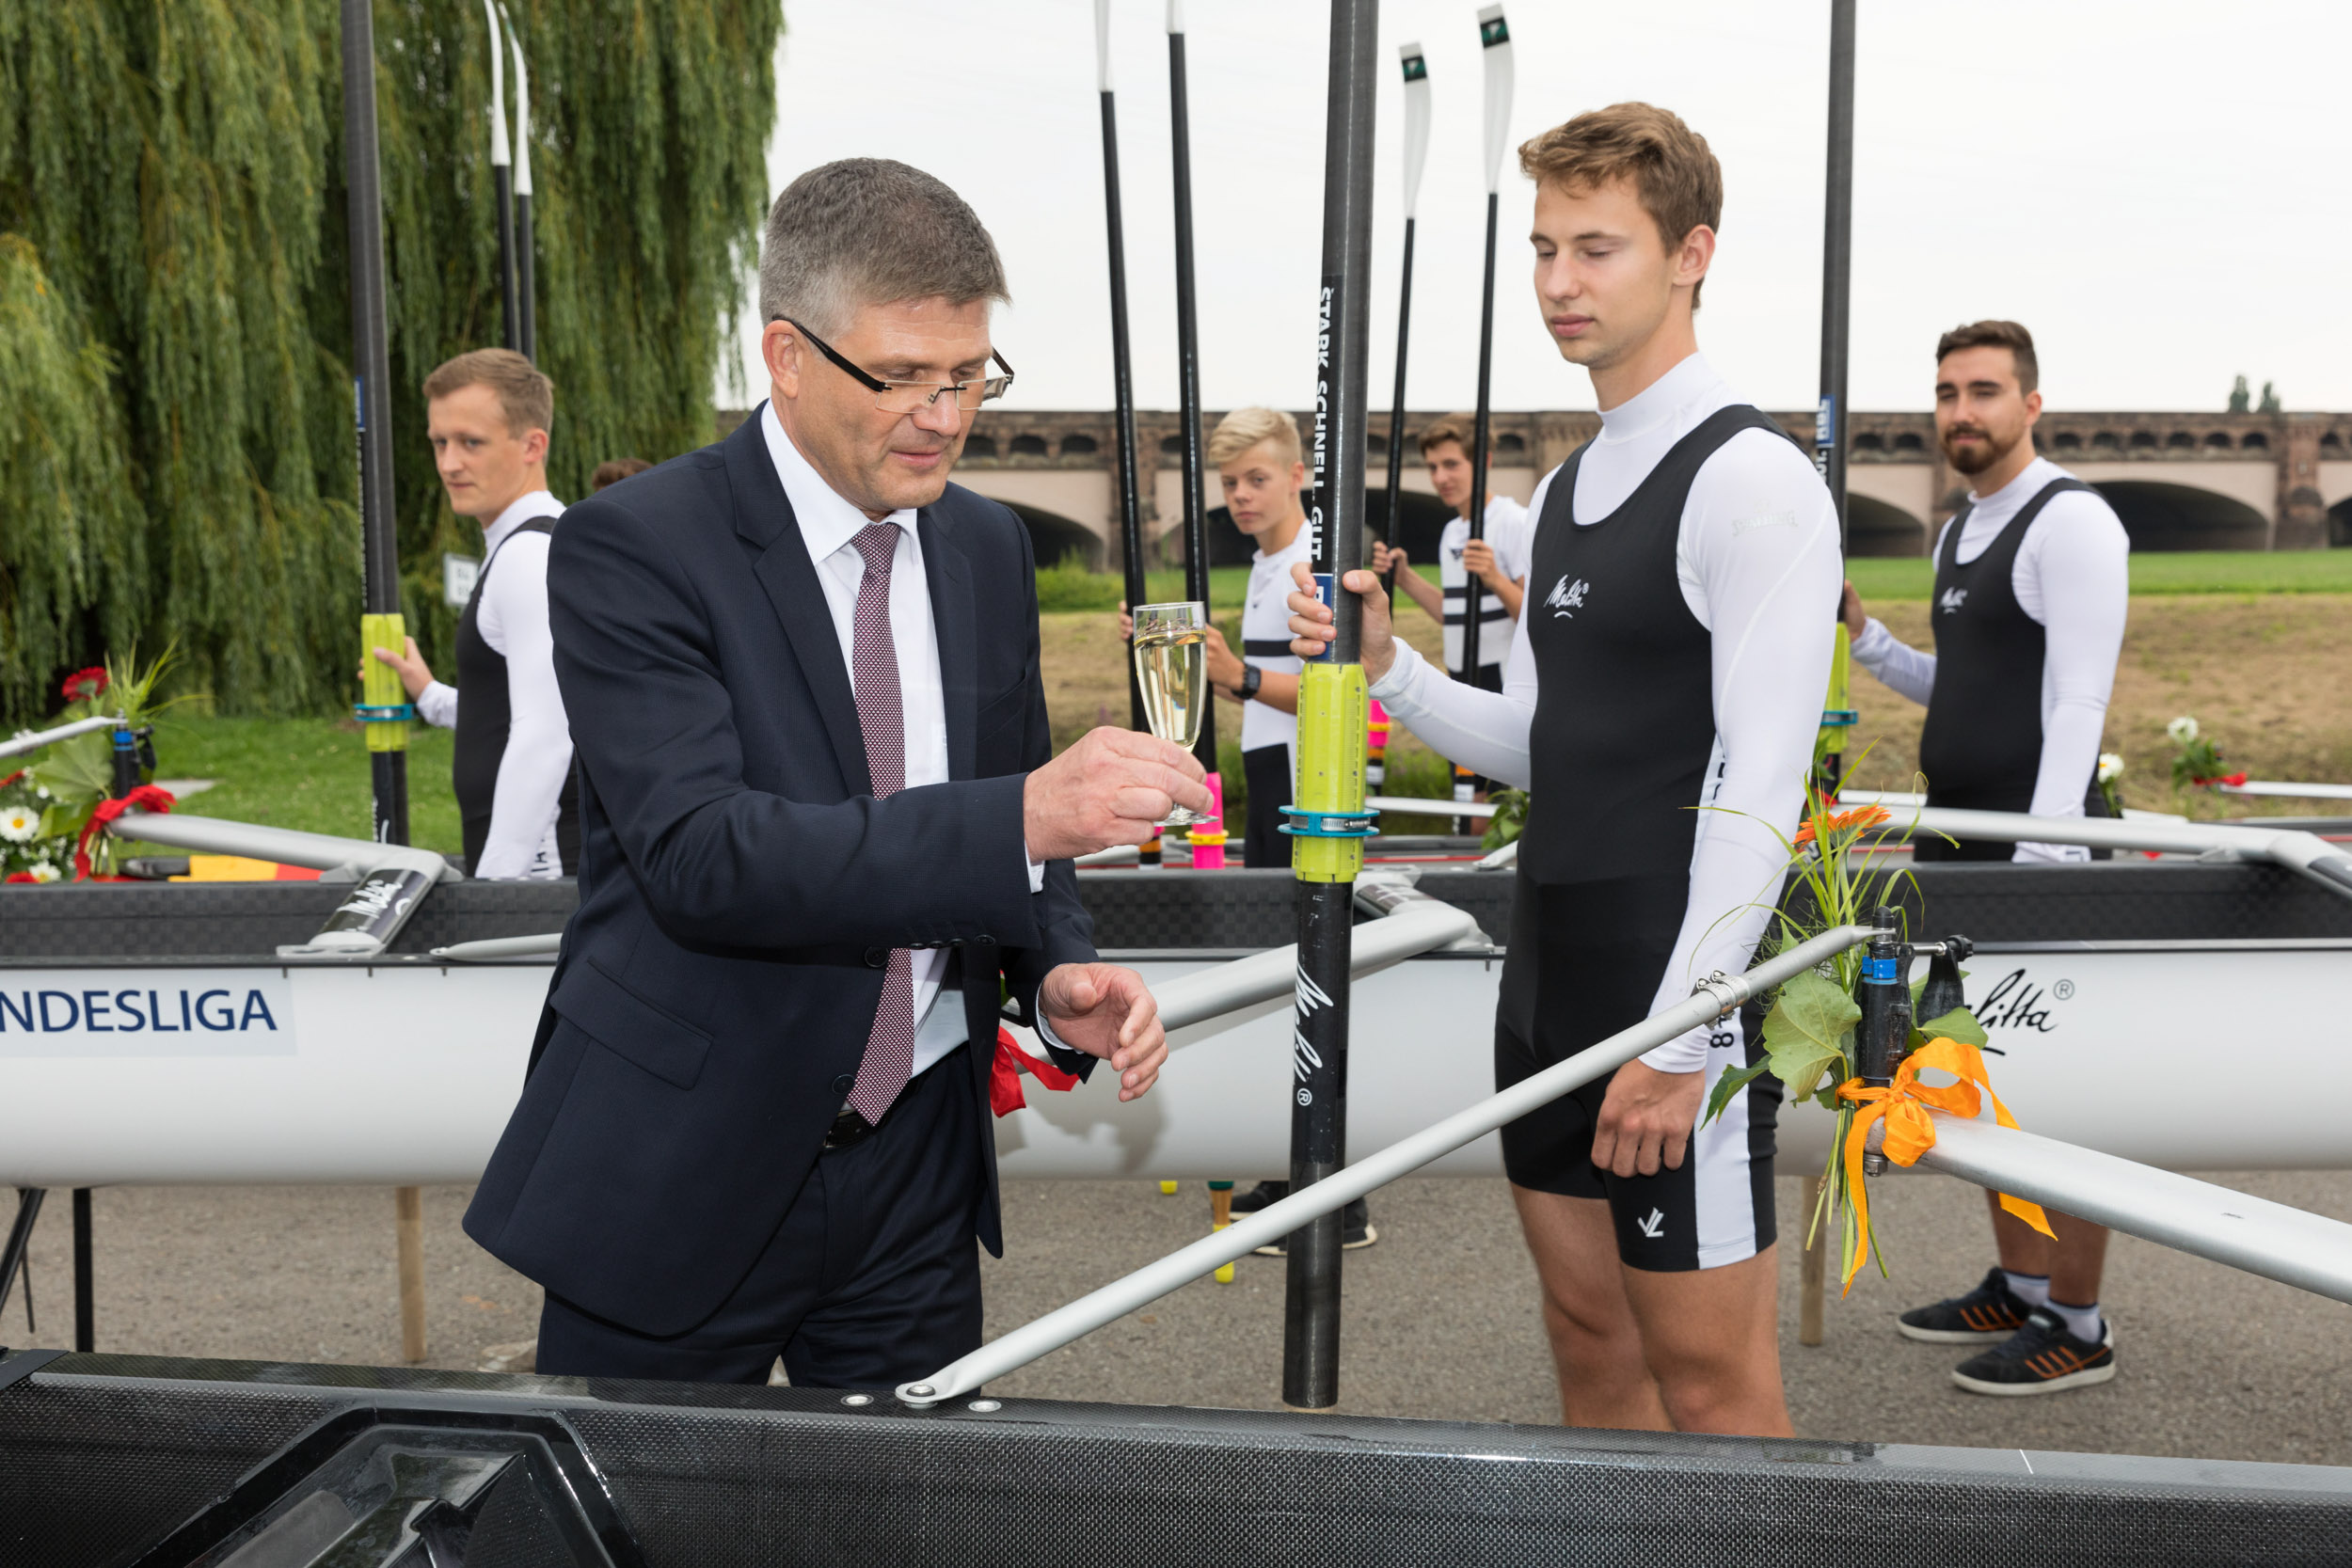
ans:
x=1861 y=818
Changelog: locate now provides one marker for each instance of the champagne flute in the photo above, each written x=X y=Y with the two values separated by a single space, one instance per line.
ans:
x=1172 y=670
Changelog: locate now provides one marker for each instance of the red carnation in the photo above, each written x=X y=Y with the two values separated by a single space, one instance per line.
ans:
x=87 y=684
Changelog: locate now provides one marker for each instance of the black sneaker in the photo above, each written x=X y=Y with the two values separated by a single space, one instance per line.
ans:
x=1356 y=1230
x=1991 y=1311
x=2040 y=1358
x=1259 y=1197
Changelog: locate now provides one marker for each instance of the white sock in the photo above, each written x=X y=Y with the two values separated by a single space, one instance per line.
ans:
x=2081 y=1322
x=2031 y=1289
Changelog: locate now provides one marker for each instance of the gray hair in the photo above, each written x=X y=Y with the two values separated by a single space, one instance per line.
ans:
x=871 y=231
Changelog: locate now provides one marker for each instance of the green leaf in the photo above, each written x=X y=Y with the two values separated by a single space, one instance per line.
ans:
x=1731 y=1082
x=1959 y=1024
x=1805 y=1030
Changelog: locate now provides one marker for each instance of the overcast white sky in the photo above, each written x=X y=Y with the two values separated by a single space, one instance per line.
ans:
x=2153 y=188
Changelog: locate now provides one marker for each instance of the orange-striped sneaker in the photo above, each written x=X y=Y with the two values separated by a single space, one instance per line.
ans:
x=1991 y=1311
x=2040 y=1358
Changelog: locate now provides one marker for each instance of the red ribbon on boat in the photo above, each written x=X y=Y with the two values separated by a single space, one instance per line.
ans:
x=2236 y=778
x=145 y=798
x=1004 y=1078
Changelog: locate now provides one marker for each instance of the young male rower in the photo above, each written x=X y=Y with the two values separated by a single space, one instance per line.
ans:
x=488 y=414
x=1498 y=561
x=1660 y=704
x=2031 y=590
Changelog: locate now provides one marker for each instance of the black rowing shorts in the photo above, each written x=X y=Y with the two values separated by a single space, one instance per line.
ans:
x=1717 y=1208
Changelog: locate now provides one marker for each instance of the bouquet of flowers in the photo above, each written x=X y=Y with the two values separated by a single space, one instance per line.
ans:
x=25 y=856
x=74 y=775
x=2195 y=760
x=2110 y=782
x=1809 y=1029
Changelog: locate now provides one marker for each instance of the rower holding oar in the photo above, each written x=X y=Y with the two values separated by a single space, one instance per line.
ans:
x=488 y=414
x=2031 y=589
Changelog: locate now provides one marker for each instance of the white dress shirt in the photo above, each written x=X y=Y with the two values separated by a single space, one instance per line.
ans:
x=2072 y=577
x=511 y=617
x=828 y=524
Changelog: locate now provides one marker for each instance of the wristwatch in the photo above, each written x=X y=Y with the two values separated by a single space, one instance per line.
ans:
x=1250 y=678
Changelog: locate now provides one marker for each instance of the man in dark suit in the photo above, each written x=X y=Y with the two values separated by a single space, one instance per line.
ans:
x=823 y=826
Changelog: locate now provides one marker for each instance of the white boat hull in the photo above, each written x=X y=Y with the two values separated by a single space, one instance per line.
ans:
x=2158 y=1053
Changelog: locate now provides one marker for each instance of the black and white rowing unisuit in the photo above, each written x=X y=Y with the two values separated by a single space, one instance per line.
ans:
x=485 y=726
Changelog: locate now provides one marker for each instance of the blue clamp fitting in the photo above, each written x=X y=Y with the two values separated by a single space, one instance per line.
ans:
x=1329 y=824
x=383 y=713
x=1838 y=717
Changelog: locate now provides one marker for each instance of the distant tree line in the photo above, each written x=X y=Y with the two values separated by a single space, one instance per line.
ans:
x=177 y=460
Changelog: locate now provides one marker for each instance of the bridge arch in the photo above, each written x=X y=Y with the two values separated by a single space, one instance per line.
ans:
x=1879 y=528
x=2161 y=517
x=1053 y=536
x=2340 y=525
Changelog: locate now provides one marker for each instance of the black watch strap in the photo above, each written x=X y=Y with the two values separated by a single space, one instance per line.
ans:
x=1251 y=678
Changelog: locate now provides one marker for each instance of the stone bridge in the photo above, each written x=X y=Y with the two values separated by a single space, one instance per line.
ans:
x=2180 y=481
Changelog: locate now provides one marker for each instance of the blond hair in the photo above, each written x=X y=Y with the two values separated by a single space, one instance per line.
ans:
x=525 y=395
x=1674 y=171
x=1243 y=427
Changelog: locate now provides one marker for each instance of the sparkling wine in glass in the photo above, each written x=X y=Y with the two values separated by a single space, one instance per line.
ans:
x=1172 y=670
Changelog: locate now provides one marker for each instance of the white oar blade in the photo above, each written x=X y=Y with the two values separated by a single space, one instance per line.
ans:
x=1416 y=121
x=499 y=153
x=1494 y=40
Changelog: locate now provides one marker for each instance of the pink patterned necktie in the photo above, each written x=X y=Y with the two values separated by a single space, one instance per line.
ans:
x=889 y=1059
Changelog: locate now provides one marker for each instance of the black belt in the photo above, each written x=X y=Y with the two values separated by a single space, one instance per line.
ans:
x=849 y=1129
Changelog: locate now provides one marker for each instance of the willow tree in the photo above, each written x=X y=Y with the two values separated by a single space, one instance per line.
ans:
x=176 y=452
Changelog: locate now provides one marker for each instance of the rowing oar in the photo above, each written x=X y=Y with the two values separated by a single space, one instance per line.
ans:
x=526 y=333
x=1189 y=357
x=1122 y=363
x=1416 y=154
x=1494 y=41
x=502 y=184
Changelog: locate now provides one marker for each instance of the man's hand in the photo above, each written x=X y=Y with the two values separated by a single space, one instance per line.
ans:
x=1478 y=560
x=1645 y=1119
x=1126 y=622
x=1225 y=666
x=1311 y=619
x=1112 y=788
x=1106 y=1011
x=1849 y=610
x=1384 y=560
x=413 y=673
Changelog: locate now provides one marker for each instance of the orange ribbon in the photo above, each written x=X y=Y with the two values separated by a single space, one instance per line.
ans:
x=1910 y=1131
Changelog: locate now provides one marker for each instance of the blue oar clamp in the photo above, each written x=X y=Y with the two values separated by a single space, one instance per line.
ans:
x=1304 y=823
x=383 y=713
x=1839 y=718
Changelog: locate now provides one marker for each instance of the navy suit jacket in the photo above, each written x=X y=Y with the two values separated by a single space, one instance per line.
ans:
x=740 y=888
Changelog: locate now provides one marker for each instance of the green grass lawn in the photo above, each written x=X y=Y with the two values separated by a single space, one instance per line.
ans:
x=305 y=773
x=2167 y=571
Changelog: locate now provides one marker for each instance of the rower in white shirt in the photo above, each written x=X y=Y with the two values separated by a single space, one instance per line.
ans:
x=487 y=415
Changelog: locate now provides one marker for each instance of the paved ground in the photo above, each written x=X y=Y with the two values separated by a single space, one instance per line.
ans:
x=1440 y=1314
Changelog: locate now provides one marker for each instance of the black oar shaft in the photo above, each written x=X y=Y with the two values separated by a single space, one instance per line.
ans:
x=526 y=308
x=1123 y=396
x=510 y=308
x=1395 y=496
x=371 y=375
x=1311 y=1323
x=1832 y=428
x=1189 y=369
x=1474 y=589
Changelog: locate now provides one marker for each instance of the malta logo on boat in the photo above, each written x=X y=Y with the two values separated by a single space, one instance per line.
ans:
x=1951 y=601
x=1566 y=597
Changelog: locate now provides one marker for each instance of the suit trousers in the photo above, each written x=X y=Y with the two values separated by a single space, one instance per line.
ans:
x=872 y=1278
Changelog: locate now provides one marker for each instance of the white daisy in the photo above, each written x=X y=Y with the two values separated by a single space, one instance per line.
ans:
x=45 y=872
x=2182 y=730
x=17 y=823
x=2110 y=766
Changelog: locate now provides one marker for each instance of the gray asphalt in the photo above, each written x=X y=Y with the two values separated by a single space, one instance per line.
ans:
x=1440 y=1315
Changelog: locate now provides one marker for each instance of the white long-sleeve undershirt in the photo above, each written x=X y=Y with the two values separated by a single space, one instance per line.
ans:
x=511 y=618
x=1757 y=559
x=2073 y=577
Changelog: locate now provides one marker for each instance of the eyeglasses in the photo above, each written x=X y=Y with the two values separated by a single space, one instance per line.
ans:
x=906 y=396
